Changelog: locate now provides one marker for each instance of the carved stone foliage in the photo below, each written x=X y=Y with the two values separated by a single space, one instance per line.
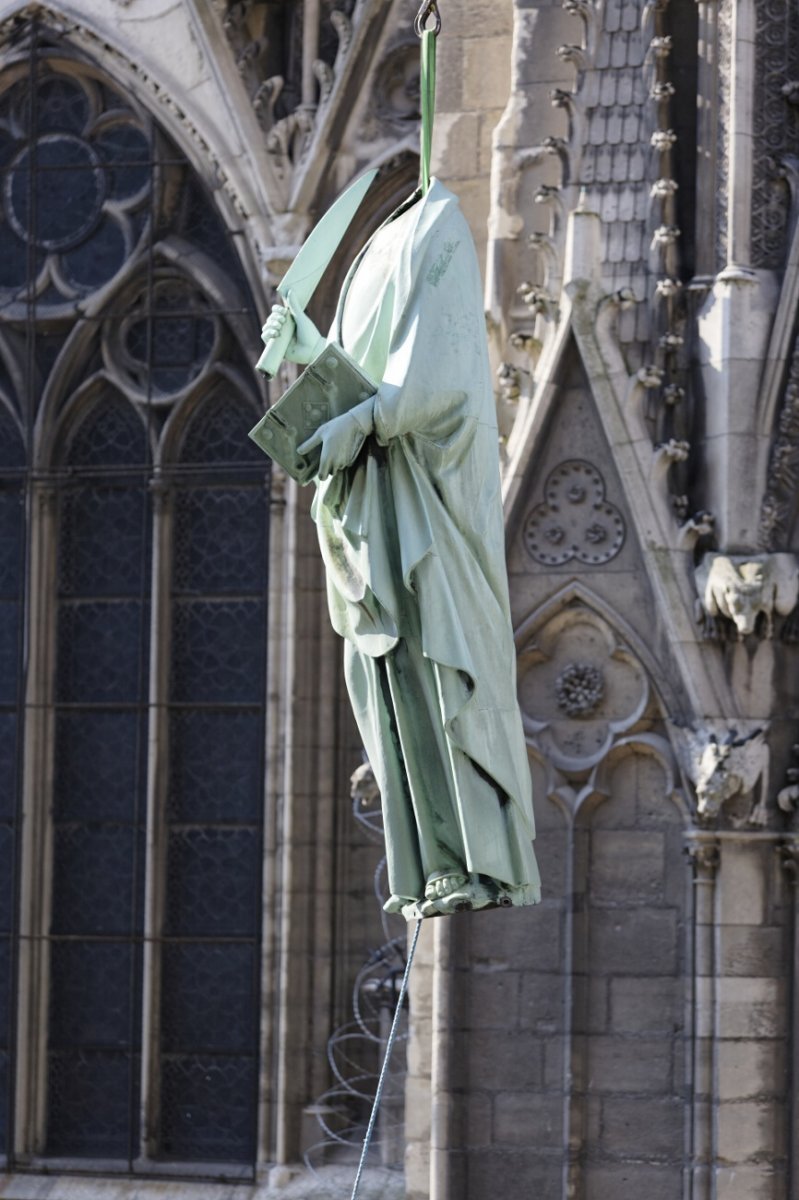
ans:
x=747 y=591
x=725 y=760
x=575 y=521
x=775 y=126
x=580 y=689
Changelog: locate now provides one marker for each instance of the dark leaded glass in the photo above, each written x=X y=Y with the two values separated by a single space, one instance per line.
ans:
x=100 y=653
x=104 y=532
x=8 y=765
x=218 y=434
x=208 y=1108
x=12 y=514
x=68 y=191
x=199 y=223
x=213 y=881
x=5 y=990
x=55 y=191
x=129 y=147
x=98 y=761
x=92 y=996
x=5 y=1079
x=99 y=258
x=208 y=994
x=9 y=650
x=61 y=103
x=6 y=875
x=11 y=525
x=81 y=208
x=206 y=785
x=12 y=450
x=92 y=1103
x=172 y=341
x=110 y=435
x=218 y=651
x=220 y=540
x=93 y=876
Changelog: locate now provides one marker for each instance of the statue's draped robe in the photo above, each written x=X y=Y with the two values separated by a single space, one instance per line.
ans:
x=412 y=538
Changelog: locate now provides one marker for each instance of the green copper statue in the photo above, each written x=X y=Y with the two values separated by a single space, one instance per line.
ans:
x=410 y=525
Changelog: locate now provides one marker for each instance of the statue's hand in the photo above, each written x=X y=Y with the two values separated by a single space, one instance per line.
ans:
x=340 y=439
x=306 y=343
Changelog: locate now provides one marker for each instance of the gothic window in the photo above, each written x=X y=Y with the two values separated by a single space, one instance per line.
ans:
x=12 y=461
x=209 y=952
x=127 y=332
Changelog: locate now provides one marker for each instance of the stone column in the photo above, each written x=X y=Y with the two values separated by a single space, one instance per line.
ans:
x=746 y=1018
x=703 y=851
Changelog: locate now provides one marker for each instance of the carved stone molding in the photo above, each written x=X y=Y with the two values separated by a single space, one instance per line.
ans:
x=580 y=689
x=705 y=856
x=789 y=859
x=575 y=521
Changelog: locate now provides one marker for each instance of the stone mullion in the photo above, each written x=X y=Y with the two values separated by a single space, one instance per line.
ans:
x=35 y=865
x=282 y=501
x=157 y=785
x=305 y=893
x=704 y=853
x=789 y=853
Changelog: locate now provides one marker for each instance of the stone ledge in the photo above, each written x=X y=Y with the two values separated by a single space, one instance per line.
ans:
x=279 y=1183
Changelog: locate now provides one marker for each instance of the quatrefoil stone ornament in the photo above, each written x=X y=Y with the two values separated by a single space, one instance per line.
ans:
x=575 y=520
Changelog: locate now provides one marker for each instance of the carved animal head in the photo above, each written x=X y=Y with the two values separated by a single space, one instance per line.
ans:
x=363 y=787
x=745 y=597
x=724 y=767
x=715 y=781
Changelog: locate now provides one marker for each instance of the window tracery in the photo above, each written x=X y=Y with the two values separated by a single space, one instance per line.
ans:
x=124 y=318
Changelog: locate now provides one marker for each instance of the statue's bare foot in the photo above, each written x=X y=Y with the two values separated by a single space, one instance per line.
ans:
x=458 y=893
x=447 y=893
x=440 y=886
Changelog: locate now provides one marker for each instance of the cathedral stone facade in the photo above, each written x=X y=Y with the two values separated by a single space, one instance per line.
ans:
x=187 y=879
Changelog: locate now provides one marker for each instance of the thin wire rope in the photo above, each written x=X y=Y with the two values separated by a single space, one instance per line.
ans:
x=392 y=1037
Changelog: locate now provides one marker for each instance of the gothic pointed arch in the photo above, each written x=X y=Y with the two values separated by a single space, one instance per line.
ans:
x=126 y=312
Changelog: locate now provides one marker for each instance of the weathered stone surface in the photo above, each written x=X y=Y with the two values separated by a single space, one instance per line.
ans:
x=528 y=1118
x=747 y=1069
x=749 y=1129
x=486 y=74
x=500 y=1060
x=751 y=1007
x=512 y=1171
x=749 y=1182
x=647 y=1005
x=629 y=1065
x=628 y=865
x=642 y=1127
x=742 y=885
x=634 y=941
x=752 y=950
x=493 y=1000
x=632 y=1181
